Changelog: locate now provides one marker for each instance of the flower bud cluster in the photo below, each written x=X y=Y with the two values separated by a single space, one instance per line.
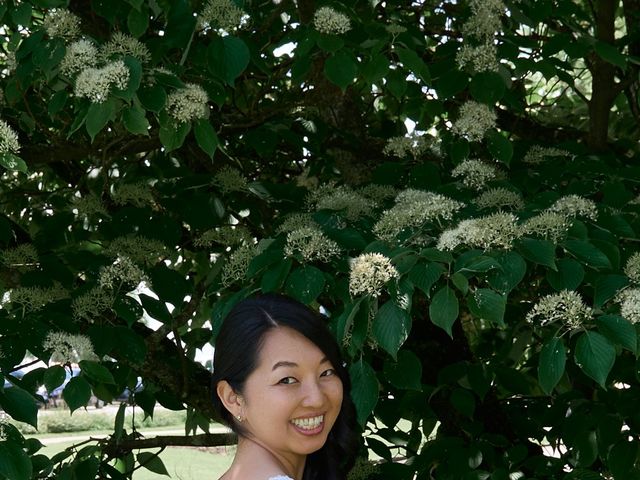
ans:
x=188 y=103
x=548 y=225
x=498 y=230
x=222 y=14
x=122 y=45
x=141 y=250
x=499 y=198
x=329 y=21
x=369 y=273
x=32 y=299
x=89 y=205
x=294 y=221
x=378 y=193
x=80 y=55
x=629 y=301
x=96 y=83
x=632 y=268
x=312 y=244
x=484 y=22
x=474 y=121
x=138 y=194
x=575 y=206
x=61 y=23
x=412 y=210
x=414 y=145
x=8 y=139
x=68 y=348
x=229 y=179
x=22 y=256
x=538 y=154
x=236 y=266
x=474 y=173
x=228 y=236
x=88 y=306
x=123 y=272
x=565 y=307
x=350 y=203
x=478 y=58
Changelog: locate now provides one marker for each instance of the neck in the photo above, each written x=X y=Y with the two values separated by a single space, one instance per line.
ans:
x=292 y=465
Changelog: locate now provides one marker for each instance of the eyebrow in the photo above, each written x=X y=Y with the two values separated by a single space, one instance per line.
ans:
x=284 y=363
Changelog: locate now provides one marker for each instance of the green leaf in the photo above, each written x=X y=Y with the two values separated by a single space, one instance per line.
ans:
x=595 y=355
x=488 y=305
x=153 y=98
x=96 y=372
x=275 y=276
x=135 y=121
x=444 y=309
x=425 y=276
x=138 y=21
x=20 y=405
x=459 y=150
x=510 y=275
x=130 y=345
x=499 y=146
x=118 y=426
x=76 y=393
x=15 y=464
x=305 y=283
x=206 y=136
x=542 y=252
x=170 y=285
x=13 y=162
x=622 y=459
x=619 y=330
x=587 y=253
x=228 y=57
x=487 y=87
x=450 y=83
x=364 y=389
x=412 y=62
x=405 y=372
x=391 y=327
x=611 y=54
x=460 y=282
x=569 y=275
x=375 y=69
x=54 y=376
x=341 y=69
x=606 y=286
x=98 y=116
x=172 y=136
x=152 y=462
x=21 y=14
x=553 y=358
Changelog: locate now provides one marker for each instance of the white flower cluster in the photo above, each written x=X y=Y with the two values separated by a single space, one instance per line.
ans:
x=236 y=266
x=566 y=308
x=188 y=103
x=548 y=225
x=90 y=305
x=413 y=209
x=499 y=198
x=142 y=250
x=222 y=14
x=80 y=54
x=96 y=83
x=350 y=203
x=312 y=244
x=378 y=193
x=138 y=194
x=629 y=300
x=415 y=145
x=485 y=19
x=122 y=45
x=474 y=173
x=498 y=230
x=8 y=139
x=294 y=221
x=122 y=272
x=538 y=154
x=575 y=206
x=478 y=58
x=632 y=268
x=229 y=236
x=369 y=273
x=329 y=21
x=24 y=255
x=363 y=469
x=89 y=205
x=474 y=121
x=32 y=299
x=229 y=179
x=10 y=64
x=61 y=23
x=68 y=348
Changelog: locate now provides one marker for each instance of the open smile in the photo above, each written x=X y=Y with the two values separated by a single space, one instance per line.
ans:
x=309 y=425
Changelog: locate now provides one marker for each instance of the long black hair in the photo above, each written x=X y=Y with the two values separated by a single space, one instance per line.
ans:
x=236 y=355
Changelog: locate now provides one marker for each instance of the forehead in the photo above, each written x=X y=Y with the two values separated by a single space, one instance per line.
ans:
x=286 y=344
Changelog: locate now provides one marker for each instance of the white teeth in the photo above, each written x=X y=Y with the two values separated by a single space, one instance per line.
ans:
x=308 y=423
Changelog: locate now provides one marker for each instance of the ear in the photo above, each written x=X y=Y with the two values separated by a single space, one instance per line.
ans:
x=231 y=400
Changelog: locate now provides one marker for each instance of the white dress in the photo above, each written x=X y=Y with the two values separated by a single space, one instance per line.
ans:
x=280 y=477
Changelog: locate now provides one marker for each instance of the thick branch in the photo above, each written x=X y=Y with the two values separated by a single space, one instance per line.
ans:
x=114 y=449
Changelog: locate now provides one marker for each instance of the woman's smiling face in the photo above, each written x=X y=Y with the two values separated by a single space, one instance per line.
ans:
x=292 y=399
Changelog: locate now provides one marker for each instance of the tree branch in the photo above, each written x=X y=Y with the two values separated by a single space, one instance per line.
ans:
x=115 y=449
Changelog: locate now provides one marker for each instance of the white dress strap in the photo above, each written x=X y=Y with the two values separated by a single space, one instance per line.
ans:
x=280 y=477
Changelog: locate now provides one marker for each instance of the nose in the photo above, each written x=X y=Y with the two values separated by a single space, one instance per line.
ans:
x=313 y=395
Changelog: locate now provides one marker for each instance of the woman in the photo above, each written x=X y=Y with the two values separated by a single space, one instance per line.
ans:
x=281 y=385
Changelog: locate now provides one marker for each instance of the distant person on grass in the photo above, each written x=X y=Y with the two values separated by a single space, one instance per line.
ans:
x=282 y=386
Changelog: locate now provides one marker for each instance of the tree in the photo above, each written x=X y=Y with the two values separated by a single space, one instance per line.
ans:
x=445 y=179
